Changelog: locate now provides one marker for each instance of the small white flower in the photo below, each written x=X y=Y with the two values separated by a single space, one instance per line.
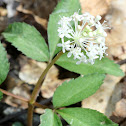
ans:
x=83 y=36
x=77 y=53
x=82 y=59
x=65 y=45
x=98 y=17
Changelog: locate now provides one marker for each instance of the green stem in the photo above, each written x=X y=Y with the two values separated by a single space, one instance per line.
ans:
x=30 y=114
x=38 y=87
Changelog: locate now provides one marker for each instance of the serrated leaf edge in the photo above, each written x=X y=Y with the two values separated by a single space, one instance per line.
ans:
x=5 y=61
x=58 y=111
x=66 y=82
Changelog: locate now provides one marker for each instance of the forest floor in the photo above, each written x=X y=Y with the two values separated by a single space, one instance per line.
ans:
x=110 y=99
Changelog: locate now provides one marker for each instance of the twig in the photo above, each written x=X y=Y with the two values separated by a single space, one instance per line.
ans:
x=22 y=99
x=122 y=62
x=12 y=95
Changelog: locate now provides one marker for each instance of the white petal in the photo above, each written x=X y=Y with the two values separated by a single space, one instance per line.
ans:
x=59 y=44
x=63 y=49
x=61 y=35
x=69 y=54
x=78 y=62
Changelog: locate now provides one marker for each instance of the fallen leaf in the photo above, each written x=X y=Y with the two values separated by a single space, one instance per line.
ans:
x=100 y=100
x=95 y=7
x=116 y=39
x=3 y=12
x=41 y=21
x=120 y=109
x=31 y=71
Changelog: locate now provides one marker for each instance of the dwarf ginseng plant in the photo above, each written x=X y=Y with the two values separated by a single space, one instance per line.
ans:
x=76 y=43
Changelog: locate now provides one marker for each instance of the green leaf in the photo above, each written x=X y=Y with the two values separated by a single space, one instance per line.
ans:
x=17 y=124
x=85 y=117
x=67 y=6
x=28 y=40
x=76 y=90
x=4 y=65
x=64 y=8
x=50 y=119
x=1 y=95
x=57 y=121
x=53 y=33
x=101 y=66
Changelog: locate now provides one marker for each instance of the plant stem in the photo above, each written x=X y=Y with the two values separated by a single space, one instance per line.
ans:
x=12 y=95
x=38 y=87
x=30 y=114
x=22 y=99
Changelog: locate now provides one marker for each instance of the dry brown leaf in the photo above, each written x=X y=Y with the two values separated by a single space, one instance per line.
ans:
x=95 y=7
x=31 y=71
x=42 y=8
x=41 y=21
x=120 y=109
x=17 y=87
x=49 y=88
x=116 y=39
x=3 y=12
x=39 y=110
x=100 y=100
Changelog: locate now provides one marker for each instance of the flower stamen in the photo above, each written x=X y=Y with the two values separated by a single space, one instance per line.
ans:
x=86 y=37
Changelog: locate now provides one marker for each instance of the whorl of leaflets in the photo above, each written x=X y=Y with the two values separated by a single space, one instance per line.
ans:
x=83 y=36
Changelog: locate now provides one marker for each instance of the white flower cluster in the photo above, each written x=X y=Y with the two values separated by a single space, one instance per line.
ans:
x=83 y=36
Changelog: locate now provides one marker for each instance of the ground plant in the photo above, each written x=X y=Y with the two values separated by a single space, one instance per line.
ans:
x=76 y=42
